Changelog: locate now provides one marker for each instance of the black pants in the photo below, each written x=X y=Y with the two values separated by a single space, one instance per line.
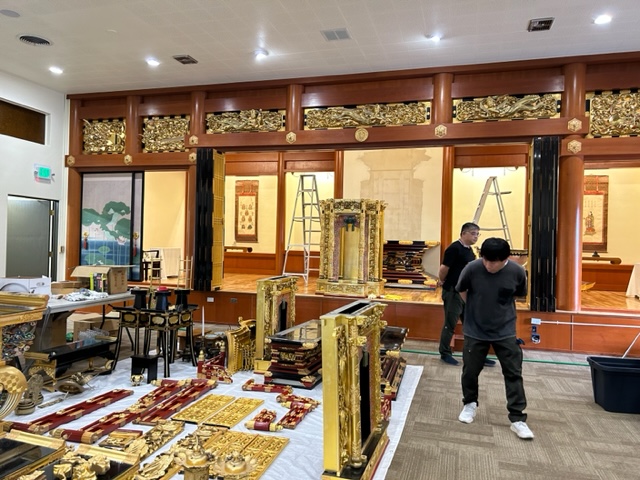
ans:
x=453 y=309
x=510 y=355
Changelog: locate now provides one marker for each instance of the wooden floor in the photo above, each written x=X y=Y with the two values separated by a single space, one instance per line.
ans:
x=592 y=300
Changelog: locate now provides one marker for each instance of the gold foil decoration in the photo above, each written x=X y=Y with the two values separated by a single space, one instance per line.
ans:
x=574 y=125
x=71 y=161
x=441 y=131
x=574 y=146
x=203 y=409
x=103 y=136
x=128 y=160
x=507 y=107
x=193 y=140
x=253 y=120
x=193 y=157
x=291 y=137
x=230 y=415
x=361 y=134
x=614 y=114
x=369 y=115
x=165 y=134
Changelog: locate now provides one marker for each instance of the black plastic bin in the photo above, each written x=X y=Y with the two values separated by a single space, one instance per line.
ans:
x=616 y=383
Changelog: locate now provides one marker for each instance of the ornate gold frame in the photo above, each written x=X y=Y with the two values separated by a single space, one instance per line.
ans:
x=272 y=292
x=349 y=333
x=366 y=219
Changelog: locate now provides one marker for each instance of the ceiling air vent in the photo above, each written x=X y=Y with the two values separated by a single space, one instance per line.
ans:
x=540 y=24
x=336 y=34
x=34 y=40
x=185 y=59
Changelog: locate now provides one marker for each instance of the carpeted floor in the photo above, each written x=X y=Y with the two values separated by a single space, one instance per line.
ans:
x=575 y=437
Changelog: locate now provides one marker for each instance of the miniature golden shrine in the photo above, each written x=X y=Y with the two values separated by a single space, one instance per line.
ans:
x=351 y=241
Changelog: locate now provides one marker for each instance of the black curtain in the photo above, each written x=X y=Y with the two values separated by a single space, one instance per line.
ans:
x=544 y=223
x=202 y=261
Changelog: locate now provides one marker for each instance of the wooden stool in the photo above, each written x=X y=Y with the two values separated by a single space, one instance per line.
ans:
x=140 y=363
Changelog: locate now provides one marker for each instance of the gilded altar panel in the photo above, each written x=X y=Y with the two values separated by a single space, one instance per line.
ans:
x=507 y=107
x=165 y=134
x=252 y=120
x=351 y=344
x=369 y=115
x=103 y=136
x=614 y=114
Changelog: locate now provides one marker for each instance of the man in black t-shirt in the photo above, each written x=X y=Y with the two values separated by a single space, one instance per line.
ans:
x=455 y=258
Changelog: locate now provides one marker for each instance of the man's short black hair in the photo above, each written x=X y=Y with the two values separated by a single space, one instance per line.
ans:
x=469 y=226
x=495 y=249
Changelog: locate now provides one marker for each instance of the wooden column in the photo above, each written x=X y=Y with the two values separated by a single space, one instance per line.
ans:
x=75 y=129
x=295 y=119
x=197 y=121
x=446 y=204
x=280 y=215
x=74 y=189
x=442 y=104
x=570 y=186
x=133 y=130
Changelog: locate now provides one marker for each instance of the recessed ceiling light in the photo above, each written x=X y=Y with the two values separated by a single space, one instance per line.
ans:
x=602 y=19
x=152 y=62
x=434 y=38
x=260 y=54
x=56 y=70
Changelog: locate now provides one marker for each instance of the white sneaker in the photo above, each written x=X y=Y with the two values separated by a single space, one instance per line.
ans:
x=521 y=429
x=468 y=413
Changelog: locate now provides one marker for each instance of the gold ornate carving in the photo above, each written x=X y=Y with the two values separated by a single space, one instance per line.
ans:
x=574 y=146
x=507 y=107
x=165 y=134
x=441 y=131
x=12 y=384
x=291 y=137
x=230 y=415
x=71 y=161
x=193 y=140
x=103 y=136
x=203 y=409
x=361 y=134
x=574 y=125
x=128 y=160
x=376 y=114
x=193 y=157
x=614 y=114
x=272 y=293
x=246 y=121
x=346 y=337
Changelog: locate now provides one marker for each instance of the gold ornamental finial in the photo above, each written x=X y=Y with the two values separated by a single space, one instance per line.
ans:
x=574 y=125
x=441 y=131
x=574 y=146
x=362 y=134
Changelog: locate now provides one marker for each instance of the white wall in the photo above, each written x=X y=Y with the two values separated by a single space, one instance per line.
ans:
x=17 y=157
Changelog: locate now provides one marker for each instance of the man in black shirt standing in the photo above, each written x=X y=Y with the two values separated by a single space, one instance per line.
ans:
x=455 y=258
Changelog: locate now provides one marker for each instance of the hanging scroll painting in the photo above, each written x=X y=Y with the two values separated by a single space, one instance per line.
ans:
x=246 y=228
x=595 y=204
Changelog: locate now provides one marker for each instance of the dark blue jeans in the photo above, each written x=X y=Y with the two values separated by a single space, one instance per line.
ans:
x=509 y=354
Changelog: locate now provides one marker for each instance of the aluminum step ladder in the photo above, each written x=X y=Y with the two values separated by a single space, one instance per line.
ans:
x=184 y=273
x=491 y=188
x=306 y=213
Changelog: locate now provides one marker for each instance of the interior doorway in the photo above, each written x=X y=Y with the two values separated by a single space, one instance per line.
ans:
x=32 y=232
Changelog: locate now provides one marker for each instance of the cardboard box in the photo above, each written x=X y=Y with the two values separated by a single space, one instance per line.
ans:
x=62 y=288
x=39 y=285
x=108 y=278
x=91 y=321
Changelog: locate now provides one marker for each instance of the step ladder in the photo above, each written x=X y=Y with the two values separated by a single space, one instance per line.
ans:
x=184 y=273
x=306 y=213
x=491 y=188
